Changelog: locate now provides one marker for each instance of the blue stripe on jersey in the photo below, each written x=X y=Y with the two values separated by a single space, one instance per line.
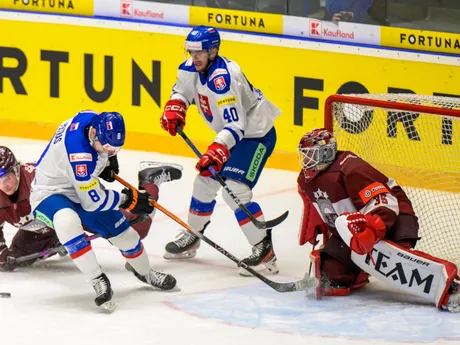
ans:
x=186 y=67
x=253 y=207
x=76 y=244
x=116 y=200
x=235 y=135
x=77 y=142
x=202 y=207
x=44 y=153
x=105 y=201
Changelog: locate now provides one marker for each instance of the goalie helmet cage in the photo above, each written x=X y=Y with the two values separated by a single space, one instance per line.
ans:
x=414 y=140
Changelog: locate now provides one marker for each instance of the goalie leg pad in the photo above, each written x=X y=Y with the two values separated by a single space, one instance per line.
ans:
x=408 y=270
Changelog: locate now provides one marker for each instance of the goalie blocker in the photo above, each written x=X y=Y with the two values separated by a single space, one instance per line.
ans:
x=411 y=271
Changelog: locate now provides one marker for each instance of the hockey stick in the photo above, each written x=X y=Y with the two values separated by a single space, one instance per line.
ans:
x=50 y=251
x=280 y=287
x=259 y=224
x=43 y=254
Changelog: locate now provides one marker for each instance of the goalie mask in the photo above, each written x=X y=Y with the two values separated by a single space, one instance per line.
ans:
x=317 y=150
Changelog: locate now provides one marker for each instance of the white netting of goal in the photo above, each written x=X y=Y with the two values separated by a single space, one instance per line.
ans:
x=415 y=140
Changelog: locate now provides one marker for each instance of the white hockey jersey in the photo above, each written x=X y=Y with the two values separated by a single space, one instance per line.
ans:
x=226 y=100
x=70 y=166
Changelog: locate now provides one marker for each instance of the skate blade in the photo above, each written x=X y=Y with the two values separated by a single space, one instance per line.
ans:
x=180 y=256
x=174 y=289
x=108 y=306
x=265 y=269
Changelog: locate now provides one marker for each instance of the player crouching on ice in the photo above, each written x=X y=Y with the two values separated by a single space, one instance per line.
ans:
x=369 y=228
x=67 y=193
x=33 y=236
x=243 y=120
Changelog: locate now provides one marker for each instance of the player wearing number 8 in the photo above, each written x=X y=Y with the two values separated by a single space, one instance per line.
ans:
x=67 y=193
x=243 y=120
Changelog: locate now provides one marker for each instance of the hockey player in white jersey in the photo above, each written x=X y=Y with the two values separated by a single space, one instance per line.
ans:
x=67 y=194
x=243 y=120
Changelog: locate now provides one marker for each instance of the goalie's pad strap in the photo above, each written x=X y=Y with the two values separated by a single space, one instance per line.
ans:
x=411 y=271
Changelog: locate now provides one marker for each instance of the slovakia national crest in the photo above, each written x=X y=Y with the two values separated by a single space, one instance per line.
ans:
x=205 y=107
x=81 y=170
x=325 y=207
x=219 y=83
x=74 y=126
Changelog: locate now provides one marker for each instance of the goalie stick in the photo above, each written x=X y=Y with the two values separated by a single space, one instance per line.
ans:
x=259 y=224
x=280 y=287
x=50 y=251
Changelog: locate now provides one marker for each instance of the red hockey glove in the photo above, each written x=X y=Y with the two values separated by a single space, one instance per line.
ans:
x=216 y=156
x=367 y=230
x=173 y=116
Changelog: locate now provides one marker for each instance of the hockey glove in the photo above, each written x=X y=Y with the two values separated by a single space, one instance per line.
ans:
x=216 y=156
x=137 y=201
x=173 y=116
x=367 y=230
x=111 y=168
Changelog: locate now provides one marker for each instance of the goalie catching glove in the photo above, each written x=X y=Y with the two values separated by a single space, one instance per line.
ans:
x=366 y=231
x=173 y=116
x=216 y=156
x=137 y=201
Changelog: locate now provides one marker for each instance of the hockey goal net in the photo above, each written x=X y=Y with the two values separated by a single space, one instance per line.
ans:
x=414 y=140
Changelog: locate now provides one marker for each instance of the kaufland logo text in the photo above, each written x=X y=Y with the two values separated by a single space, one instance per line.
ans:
x=327 y=30
x=126 y=9
x=315 y=28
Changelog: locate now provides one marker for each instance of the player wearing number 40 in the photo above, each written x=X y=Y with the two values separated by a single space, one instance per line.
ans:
x=243 y=120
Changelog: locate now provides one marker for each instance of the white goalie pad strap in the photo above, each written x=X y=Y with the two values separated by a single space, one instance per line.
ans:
x=403 y=269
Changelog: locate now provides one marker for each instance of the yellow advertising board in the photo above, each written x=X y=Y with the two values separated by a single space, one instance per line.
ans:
x=237 y=20
x=71 y=7
x=439 y=42
x=49 y=72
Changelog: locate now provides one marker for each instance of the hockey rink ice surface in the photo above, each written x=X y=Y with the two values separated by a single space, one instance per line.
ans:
x=52 y=303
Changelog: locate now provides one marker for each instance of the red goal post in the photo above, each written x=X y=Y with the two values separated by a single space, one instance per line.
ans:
x=415 y=140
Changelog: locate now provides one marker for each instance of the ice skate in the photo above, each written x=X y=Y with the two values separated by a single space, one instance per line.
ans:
x=104 y=293
x=185 y=245
x=158 y=173
x=158 y=280
x=263 y=258
x=453 y=303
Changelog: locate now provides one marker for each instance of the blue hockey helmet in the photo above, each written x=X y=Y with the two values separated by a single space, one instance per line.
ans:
x=110 y=131
x=202 y=38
